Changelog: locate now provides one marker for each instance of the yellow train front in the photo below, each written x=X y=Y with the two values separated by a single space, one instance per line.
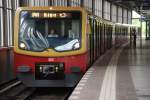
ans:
x=45 y=60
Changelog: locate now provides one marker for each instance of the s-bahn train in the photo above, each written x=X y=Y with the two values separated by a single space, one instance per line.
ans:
x=54 y=46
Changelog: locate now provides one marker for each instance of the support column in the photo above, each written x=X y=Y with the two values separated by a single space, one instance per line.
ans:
x=127 y=16
x=93 y=6
x=146 y=29
x=5 y=23
x=111 y=11
x=82 y=3
x=141 y=30
x=131 y=17
x=68 y=2
x=117 y=19
x=103 y=5
x=122 y=15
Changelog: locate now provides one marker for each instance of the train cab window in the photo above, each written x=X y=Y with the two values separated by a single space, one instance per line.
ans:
x=35 y=28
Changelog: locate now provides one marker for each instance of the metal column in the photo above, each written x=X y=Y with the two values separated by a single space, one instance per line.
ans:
x=93 y=6
x=81 y=3
x=146 y=30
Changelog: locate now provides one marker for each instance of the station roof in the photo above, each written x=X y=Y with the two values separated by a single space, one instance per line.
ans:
x=141 y=6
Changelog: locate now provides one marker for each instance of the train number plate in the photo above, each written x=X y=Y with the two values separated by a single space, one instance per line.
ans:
x=45 y=70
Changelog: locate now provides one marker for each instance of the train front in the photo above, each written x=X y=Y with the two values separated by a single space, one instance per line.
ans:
x=50 y=46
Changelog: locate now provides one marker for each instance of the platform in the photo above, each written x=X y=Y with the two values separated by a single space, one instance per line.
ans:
x=120 y=74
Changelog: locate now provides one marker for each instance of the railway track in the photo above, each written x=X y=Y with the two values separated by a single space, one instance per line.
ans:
x=8 y=85
x=50 y=94
x=15 y=90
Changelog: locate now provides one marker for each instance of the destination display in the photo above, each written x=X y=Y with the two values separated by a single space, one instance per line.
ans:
x=50 y=15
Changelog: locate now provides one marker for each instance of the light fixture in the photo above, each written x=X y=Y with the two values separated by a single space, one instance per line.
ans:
x=22 y=45
x=76 y=45
x=50 y=8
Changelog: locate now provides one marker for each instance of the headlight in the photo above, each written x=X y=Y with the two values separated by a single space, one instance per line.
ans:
x=22 y=46
x=76 y=45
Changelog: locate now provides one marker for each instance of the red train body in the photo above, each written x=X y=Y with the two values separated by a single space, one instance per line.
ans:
x=39 y=63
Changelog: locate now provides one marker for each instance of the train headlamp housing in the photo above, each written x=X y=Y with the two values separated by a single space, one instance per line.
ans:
x=76 y=45
x=22 y=45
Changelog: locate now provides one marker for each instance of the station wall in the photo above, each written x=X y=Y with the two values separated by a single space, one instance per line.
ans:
x=119 y=15
x=7 y=11
x=106 y=10
x=114 y=13
x=98 y=8
x=125 y=17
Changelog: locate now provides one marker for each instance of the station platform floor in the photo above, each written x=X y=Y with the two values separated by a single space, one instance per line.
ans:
x=120 y=74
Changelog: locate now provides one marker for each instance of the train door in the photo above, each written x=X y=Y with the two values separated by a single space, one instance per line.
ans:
x=124 y=34
x=96 y=39
x=108 y=36
x=131 y=35
x=111 y=33
x=120 y=33
x=116 y=34
x=90 y=40
x=102 y=38
x=98 y=45
x=105 y=37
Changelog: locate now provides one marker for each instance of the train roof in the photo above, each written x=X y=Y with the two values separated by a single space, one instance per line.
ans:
x=60 y=8
x=51 y=8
